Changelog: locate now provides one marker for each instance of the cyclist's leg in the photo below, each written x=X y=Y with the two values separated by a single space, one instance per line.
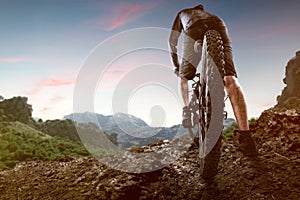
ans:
x=188 y=66
x=187 y=72
x=184 y=91
x=239 y=106
x=238 y=102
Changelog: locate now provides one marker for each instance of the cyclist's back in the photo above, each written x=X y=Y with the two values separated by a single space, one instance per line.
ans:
x=194 y=23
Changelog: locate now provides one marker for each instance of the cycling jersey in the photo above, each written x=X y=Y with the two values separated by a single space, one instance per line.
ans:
x=193 y=23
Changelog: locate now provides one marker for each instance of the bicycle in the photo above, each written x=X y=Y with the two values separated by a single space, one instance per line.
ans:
x=207 y=104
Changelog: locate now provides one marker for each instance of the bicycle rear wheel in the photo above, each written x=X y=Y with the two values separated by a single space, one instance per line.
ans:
x=211 y=101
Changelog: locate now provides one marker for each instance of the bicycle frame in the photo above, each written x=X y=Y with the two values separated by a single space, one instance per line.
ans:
x=194 y=102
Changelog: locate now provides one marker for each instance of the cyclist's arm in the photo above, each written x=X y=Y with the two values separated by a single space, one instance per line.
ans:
x=173 y=40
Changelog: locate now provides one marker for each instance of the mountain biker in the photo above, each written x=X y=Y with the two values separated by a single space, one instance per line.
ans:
x=193 y=23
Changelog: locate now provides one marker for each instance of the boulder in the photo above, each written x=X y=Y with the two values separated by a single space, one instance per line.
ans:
x=292 y=81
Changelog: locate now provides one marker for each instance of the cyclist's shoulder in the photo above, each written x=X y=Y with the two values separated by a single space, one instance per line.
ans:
x=217 y=18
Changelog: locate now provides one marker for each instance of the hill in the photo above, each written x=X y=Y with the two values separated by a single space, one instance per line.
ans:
x=24 y=139
x=26 y=129
x=20 y=142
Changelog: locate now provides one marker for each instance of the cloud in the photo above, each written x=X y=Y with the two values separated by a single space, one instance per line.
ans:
x=124 y=13
x=52 y=101
x=50 y=82
x=44 y=110
x=57 y=99
x=55 y=82
x=14 y=59
x=33 y=91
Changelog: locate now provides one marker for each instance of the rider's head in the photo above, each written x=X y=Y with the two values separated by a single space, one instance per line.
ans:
x=200 y=6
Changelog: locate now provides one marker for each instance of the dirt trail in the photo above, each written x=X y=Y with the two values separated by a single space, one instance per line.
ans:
x=274 y=174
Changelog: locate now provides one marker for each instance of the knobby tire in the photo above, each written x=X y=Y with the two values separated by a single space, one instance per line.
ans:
x=212 y=55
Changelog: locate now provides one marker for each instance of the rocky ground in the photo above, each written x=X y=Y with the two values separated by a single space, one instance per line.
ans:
x=274 y=174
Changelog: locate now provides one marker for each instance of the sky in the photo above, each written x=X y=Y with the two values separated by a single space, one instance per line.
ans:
x=50 y=48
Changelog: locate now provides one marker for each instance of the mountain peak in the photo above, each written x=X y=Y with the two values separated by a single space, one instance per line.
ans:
x=127 y=118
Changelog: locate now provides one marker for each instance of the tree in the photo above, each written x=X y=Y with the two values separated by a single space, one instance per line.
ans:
x=18 y=108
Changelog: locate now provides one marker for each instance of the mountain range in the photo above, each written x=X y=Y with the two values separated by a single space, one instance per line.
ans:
x=130 y=130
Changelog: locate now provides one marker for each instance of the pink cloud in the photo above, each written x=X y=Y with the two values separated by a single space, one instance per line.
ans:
x=55 y=82
x=124 y=13
x=57 y=99
x=14 y=59
x=45 y=110
x=51 y=82
x=33 y=91
x=52 y=101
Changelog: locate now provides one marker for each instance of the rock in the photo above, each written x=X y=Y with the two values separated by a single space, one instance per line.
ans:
x=292 y=81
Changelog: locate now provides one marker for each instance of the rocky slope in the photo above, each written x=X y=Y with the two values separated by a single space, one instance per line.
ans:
x=274 y=174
